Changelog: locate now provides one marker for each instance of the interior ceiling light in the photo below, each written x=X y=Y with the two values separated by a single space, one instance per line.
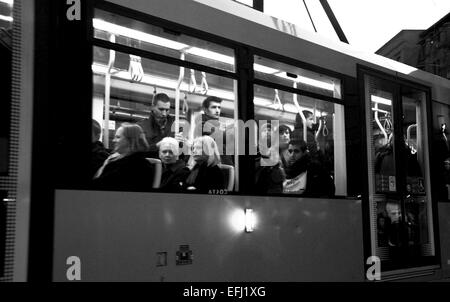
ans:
x=380 y=100
x=6 y=18
x=9 y=2
x=307 y=81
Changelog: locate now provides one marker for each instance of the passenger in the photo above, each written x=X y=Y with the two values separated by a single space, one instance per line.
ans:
x=305 y=174
x=99 y=153
x=311 y=129
x=175 y=171
x=209 y=124
x=127 y=168
x=159 y=123
x=297 y=165
x=205 y=173
x=285 y=136
x=269 y=175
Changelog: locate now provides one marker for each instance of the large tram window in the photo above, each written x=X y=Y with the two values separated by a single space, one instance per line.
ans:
x=288 y=75
x=163 y=41
x=441 y=159
x=301 y=144
x=122 y=94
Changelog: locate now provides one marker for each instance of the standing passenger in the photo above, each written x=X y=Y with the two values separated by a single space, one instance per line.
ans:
x=159 y=123
x=209 y=124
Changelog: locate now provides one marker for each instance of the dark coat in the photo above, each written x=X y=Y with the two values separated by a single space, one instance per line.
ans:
x=154 y=134
x=269 y=179
x=174 y=176
x=98 y=156
x=207 y=179
x=130 y=173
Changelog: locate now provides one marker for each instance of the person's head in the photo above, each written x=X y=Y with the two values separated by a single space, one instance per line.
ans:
x=309 y=116
x=204 y=149
x=129 y=139
x=161 y=107
x=447 y=164
x=394 y=211
x=96 y=131
x=212 y=106
x=296 y=150
x=285 y=135
x=169 y=150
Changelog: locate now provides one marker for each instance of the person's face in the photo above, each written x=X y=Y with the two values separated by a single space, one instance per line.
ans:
x=284 y=137
x=447 y=165
x=161 y=110
x=166 y=154
x=214 y=110
x=310 y=121
x=294 y=154
x=394 y=212
x=120 y=142
x=199 y=153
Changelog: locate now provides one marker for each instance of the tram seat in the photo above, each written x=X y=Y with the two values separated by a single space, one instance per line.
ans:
x=228 y=172
x=156 y=163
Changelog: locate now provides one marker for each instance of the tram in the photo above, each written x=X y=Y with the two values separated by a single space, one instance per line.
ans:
x=380 y=124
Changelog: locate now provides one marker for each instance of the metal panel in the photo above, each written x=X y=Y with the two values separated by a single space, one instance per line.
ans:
x=117 y=237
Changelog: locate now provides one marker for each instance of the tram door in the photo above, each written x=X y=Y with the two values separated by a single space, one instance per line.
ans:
x=399 y=181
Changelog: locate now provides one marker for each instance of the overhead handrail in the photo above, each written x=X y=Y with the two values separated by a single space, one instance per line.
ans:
x=177 y=95
x=377 y=120
x=276 y=104
x=408 y=137
x=204 y=87
x=111 y=61
x=192 y=82
x=300 y=112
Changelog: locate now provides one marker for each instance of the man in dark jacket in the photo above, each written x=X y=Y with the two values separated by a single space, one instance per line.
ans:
x=209 y=124
x=175 y=171
x=159 y=123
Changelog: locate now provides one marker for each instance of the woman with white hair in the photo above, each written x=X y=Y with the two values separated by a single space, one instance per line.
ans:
x=175 y=171
x=205 y=173
x=127 y=168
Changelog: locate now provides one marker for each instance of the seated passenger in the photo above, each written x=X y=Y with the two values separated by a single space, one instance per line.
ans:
x=99 y=153
x=205 y=173
x=174 y=172
x=269 y=175
x=127 y=168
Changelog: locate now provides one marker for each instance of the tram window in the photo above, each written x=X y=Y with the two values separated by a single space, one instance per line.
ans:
x=441 y=122
x=132 y=33
x=301 y=144
x=143 y=97
x=288 y=75
x=381 y=136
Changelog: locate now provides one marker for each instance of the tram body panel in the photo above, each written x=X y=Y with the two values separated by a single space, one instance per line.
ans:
x=118 y=235
x=444 y=229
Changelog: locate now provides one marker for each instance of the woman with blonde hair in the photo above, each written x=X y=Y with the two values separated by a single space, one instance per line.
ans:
x=204 y=164
x=127 y=168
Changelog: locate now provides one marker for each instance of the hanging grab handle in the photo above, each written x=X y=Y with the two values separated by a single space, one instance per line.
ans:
x=204 y=85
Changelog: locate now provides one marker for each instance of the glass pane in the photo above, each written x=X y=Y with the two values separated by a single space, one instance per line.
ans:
x=147 y=92
x=6 y=20
x=381 y=136
x=441 y=141
x=301 y=144
x=300 y=78
x=132 y=33
x=417 y=205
